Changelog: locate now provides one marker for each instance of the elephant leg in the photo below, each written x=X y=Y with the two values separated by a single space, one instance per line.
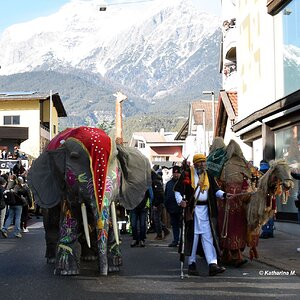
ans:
x=68 y=248
x=89 y=254
x=109 y=251
x=113 y=253
x=51 y=225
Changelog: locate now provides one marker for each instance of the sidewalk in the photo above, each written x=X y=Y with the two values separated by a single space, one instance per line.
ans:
x=281 y=251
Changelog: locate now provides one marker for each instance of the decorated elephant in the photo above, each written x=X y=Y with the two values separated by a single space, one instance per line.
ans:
x=76 y=180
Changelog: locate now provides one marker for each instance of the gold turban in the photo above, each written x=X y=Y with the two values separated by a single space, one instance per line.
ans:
x=198 y=158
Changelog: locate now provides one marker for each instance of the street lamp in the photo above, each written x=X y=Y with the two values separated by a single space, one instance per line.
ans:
x=212 y=108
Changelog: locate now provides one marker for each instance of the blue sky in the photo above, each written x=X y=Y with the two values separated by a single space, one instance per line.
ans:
x=17 y=11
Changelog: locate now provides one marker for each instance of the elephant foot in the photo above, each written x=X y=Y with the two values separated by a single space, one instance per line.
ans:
x=51 y=260
x=113 y=269
x=66 y=273
x=67 y=260
x=89 y=258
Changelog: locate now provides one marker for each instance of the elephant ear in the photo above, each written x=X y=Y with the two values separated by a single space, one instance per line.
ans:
x=46 y=178
x=135 y=176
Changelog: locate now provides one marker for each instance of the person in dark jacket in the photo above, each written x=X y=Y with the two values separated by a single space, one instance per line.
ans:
x=174 y=210
x=15 y=211
x=2 y=201
x=158 y=205
x=138 y=220
x=27 y=202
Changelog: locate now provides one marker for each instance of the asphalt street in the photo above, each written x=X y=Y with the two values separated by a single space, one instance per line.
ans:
x=152 y=272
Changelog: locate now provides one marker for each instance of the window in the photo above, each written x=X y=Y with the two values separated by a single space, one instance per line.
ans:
x=141 y=144
x=11 y=120
x=287 y=48
x=287 y=144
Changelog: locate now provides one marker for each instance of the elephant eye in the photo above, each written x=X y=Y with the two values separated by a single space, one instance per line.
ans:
x=74 y=154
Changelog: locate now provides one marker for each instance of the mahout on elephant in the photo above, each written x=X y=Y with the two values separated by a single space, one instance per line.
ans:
x=77 y=180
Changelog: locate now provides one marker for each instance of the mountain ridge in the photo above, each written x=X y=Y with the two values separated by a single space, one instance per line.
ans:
x=162 y=62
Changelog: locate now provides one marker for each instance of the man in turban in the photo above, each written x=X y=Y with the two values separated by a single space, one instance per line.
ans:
x=196 y=191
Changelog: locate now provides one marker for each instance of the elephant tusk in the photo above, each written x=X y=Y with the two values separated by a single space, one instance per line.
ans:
x=85 y=224
x=114 y=222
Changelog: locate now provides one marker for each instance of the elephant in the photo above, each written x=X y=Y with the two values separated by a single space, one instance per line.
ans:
x=76 y=181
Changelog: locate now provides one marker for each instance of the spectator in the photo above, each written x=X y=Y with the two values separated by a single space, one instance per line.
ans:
x=16 y=153
x=158 y=205
x=268 y=228
x=172 y=207
x=15 y=211
x=138 y=220
x=18 y=169
x=2 y=202
x=4 y=154
x=27 y=202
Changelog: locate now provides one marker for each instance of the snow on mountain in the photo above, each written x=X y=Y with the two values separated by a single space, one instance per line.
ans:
x=150 y=47
x=292 y=53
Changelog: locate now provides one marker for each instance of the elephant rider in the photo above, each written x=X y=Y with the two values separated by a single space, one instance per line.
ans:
x=196 y=191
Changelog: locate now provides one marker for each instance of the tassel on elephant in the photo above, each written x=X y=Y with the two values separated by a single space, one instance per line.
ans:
x=76 y=181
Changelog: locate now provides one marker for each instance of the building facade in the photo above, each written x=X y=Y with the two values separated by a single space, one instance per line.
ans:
x=29 y=121
x=267 y=55
x=160 y=148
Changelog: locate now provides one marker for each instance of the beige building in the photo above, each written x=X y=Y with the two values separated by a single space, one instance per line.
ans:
x=29 y=120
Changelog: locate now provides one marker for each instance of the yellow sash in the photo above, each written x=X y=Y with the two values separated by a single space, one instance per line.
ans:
x=203 y=180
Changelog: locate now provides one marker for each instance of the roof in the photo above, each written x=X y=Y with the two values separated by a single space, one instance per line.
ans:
x=227 y=109
x=19 y=96
x=196 y=111
x=206 y=106
x=183 y=132
x=150 y=137
x=155 y=137
x=233 y=99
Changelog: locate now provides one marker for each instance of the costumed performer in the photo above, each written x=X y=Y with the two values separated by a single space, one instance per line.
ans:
x=196 y=191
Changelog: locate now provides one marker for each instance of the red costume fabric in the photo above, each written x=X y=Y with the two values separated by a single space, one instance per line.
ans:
x=98 y=144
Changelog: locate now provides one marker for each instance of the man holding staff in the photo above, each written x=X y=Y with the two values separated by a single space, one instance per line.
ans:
x=196 y=191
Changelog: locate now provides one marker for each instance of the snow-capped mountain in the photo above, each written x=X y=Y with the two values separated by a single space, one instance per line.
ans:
x=153 y=48
x=162 y=54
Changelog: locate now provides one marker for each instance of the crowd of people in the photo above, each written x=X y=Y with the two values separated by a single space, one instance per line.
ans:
x=194 y=195
x=190 y=199
x=16 y=201
x=16 y=154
